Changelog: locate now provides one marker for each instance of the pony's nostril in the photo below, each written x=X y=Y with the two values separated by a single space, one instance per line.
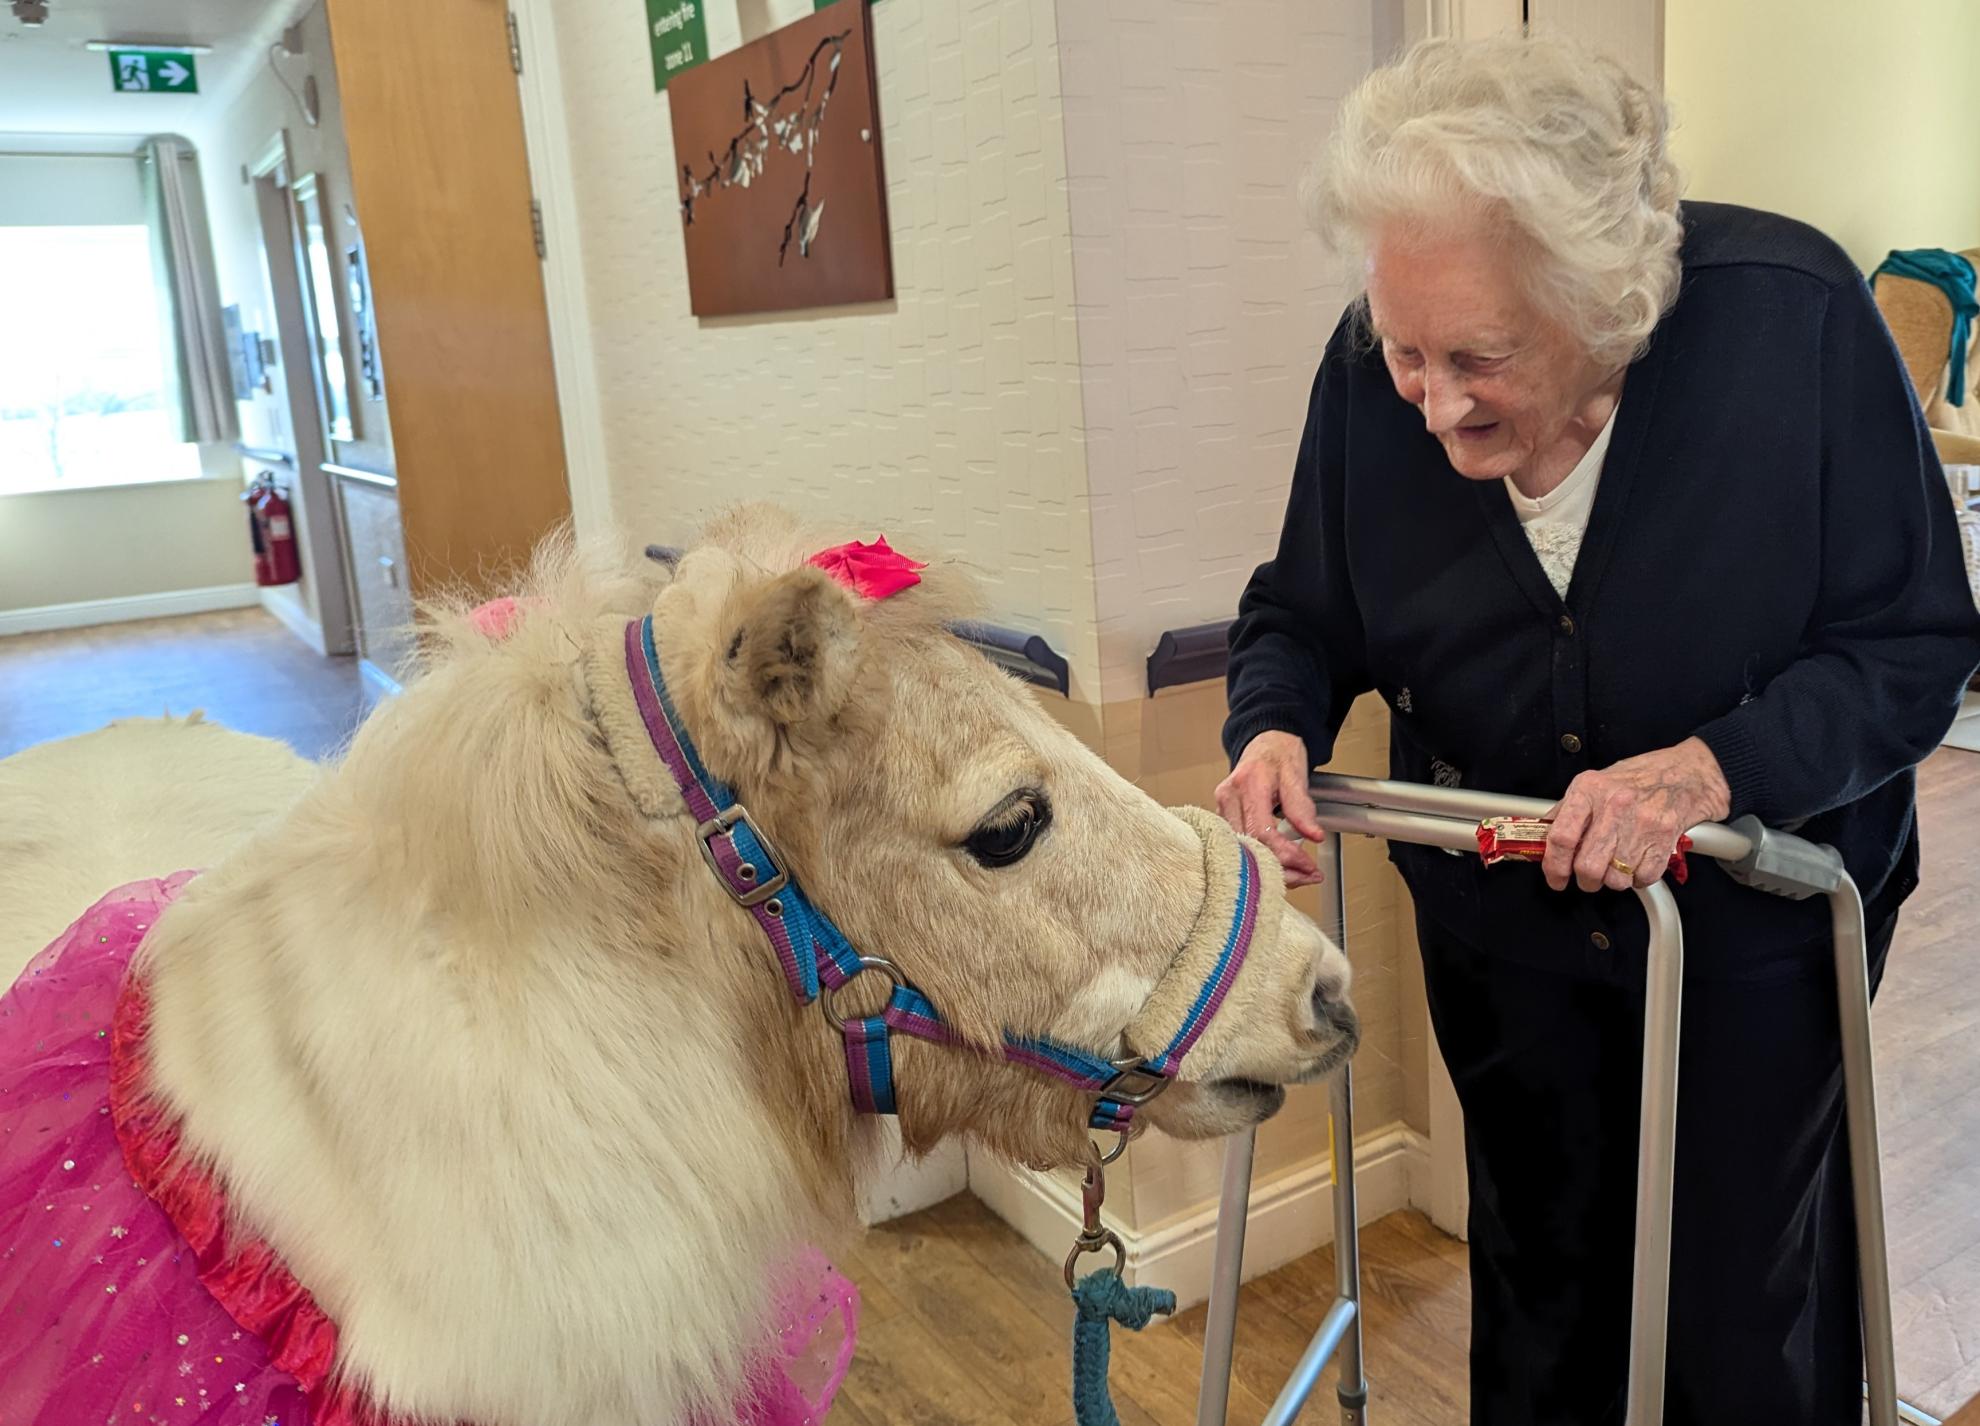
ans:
x=1331 y=1010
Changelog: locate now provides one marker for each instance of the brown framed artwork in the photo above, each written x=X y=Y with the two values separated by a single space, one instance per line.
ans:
x=783 y=194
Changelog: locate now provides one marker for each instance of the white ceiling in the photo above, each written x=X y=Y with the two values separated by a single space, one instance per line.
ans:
x=50 y=85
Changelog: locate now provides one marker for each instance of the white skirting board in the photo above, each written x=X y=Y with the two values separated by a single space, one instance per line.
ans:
x=86 y=612
x=1291 y=1214
x=286 y=605
x=907 y=1185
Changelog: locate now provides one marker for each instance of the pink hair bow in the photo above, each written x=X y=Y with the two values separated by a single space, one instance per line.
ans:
x=497 y=617
x=876 y=571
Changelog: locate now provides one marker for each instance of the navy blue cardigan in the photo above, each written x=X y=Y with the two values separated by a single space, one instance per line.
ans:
x=1772 y=564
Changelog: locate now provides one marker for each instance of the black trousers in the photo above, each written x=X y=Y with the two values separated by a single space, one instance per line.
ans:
x=1764 y=1316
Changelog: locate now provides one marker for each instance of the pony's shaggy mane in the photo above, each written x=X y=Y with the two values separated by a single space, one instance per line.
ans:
x=509 y=699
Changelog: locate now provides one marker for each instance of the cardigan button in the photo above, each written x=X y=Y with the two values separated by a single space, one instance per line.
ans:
x=1570 y=743
x=1599 y=941
x=1567 y=625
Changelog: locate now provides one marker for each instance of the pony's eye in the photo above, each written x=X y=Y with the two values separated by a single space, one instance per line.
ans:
x=1007 y=834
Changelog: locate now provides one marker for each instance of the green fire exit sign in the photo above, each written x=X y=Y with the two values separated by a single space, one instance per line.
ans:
x=153 y=72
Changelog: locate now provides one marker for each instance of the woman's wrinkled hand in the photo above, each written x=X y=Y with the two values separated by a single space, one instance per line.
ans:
x=1619 y=827
x=1270 y=779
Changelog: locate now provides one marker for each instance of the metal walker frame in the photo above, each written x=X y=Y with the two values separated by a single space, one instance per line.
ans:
x=1755 y=856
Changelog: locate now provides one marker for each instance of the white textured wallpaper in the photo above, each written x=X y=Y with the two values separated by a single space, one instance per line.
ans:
x=948 y=418
x=1203 y=301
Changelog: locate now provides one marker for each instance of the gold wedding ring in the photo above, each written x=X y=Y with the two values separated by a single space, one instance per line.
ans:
x=1622 y=866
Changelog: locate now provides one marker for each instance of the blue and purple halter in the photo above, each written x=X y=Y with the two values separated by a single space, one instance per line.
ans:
x=818 y=961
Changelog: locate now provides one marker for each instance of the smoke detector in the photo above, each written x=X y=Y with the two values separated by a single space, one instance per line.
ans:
x=31 y=12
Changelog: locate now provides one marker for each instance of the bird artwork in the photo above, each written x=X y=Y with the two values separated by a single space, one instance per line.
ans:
x=764 y=138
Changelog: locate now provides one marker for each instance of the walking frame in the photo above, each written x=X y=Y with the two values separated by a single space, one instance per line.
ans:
x=1755 y=856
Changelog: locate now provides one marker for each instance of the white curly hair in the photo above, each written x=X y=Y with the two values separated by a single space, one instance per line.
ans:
x=1533 y=131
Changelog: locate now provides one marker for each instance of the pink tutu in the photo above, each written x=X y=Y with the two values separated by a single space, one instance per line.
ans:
x=818 y=1317
x=123 y=1299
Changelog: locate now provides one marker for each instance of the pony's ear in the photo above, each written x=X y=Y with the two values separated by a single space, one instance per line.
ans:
x=791 y=648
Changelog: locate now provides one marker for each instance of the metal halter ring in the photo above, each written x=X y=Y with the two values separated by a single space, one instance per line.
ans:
x=828 y=999
x=1123 y=1137
x=1105 y=1238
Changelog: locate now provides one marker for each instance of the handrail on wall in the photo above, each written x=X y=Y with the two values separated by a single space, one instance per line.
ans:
x=1026 y=655
x=1190 y=655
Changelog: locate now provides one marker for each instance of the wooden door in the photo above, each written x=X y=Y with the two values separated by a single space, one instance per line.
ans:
x=434 y=126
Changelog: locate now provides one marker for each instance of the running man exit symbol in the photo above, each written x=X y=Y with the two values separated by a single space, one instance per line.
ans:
x=153 y=72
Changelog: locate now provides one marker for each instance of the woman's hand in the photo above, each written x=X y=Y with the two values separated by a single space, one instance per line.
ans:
x=1619 y=827
x=1270 y=778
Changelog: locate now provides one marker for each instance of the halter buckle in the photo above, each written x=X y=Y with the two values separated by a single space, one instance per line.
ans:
x=1133 y=1082
x=722 y=824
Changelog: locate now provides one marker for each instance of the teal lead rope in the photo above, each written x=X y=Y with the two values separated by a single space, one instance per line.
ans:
x=1103 y=1299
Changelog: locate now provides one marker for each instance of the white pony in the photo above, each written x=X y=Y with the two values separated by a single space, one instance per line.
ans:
x=488 y=1046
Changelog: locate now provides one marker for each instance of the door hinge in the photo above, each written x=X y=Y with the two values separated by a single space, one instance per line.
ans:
x=536 y=228
x=515 y=44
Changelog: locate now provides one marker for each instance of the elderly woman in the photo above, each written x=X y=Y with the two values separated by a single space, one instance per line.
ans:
x=1626 y=504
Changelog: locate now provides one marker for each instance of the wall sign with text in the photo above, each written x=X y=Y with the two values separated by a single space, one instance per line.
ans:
x=681 y=37
x=678 y=33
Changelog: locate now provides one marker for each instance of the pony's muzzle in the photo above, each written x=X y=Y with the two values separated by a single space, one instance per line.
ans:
x=1288 y=1017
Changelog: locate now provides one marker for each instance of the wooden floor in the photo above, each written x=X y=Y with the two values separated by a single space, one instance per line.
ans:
x=1928 y=1088
x=240 y=666
x=965 y=1323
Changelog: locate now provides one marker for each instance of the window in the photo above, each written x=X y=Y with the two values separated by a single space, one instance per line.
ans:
x=83 y=398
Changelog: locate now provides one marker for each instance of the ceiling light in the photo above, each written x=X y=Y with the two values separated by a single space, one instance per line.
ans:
x=100 y=45
x=31 y=12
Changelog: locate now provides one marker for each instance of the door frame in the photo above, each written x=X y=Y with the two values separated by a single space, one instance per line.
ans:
x=316 y=493
x=547 y=141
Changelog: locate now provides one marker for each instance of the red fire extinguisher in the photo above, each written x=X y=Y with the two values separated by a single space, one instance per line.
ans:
x=272 y=527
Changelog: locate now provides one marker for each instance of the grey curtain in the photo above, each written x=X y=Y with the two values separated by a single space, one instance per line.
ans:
x=196 y=369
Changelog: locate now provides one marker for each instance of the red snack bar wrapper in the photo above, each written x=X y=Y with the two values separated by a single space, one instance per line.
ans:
x=1521 y=839
x=1524 y=839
